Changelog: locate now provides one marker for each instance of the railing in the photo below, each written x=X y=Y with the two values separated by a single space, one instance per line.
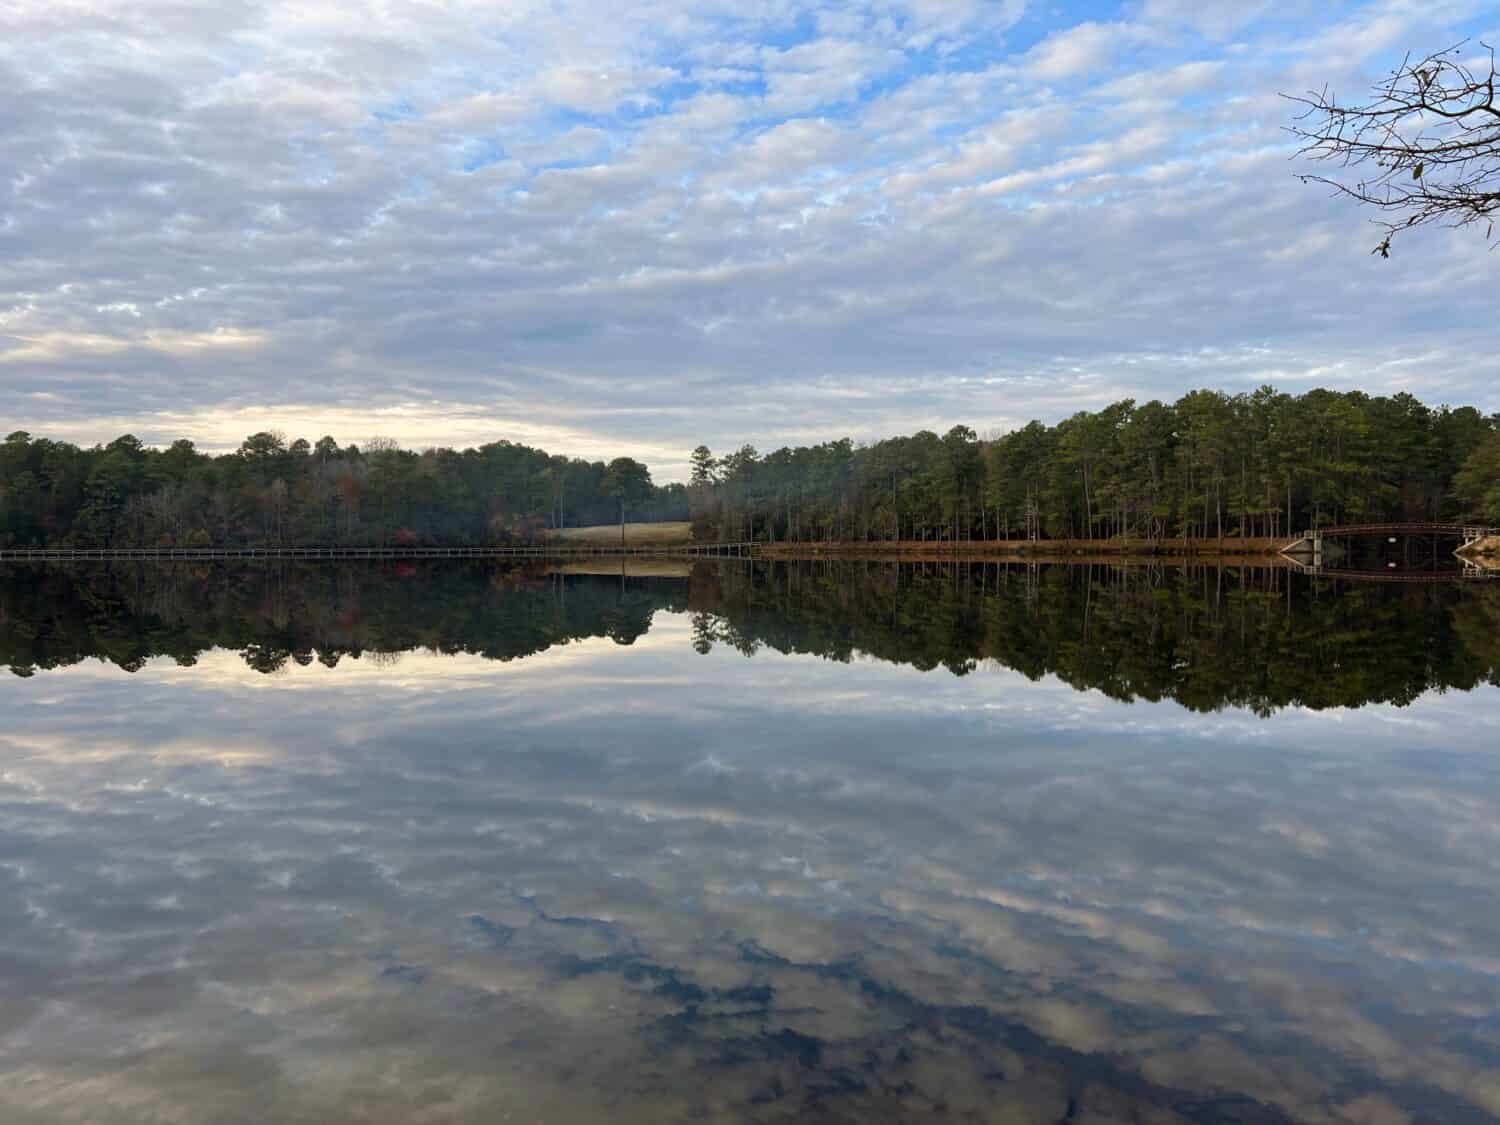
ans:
x=1468 y=573
x=1468 y=532
x=530 y=551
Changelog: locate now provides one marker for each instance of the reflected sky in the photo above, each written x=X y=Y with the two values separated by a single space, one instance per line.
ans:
x=639 y=881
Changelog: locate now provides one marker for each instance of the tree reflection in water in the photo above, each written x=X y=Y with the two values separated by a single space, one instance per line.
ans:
x=1207 y=637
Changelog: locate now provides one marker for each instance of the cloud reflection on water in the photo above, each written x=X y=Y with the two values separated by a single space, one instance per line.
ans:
x=651 y=884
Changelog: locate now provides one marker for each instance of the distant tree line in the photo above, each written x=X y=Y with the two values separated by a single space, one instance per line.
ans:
x=1209 y=465
x=273 y=492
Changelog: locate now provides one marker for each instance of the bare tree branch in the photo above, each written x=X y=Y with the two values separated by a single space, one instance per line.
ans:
x=1430 y=134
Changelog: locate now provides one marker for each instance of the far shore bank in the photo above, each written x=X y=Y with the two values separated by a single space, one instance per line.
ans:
x=1487 y=549
x=1262 y=549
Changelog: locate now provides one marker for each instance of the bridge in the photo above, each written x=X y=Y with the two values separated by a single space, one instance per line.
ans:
x=1311 y=542
x=1470 y=573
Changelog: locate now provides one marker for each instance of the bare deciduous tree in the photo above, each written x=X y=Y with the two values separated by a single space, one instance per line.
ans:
x=1430 y=136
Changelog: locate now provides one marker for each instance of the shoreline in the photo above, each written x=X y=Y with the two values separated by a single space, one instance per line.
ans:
x=1079 y=550
x=1486 y=551
x=1482 y=555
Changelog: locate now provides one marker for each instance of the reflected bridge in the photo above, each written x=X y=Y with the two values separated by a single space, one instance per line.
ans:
x=1309 y=544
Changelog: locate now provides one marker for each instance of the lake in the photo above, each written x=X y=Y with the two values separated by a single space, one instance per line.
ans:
x=430 y=842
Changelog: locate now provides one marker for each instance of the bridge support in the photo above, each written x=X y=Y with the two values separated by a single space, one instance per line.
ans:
x=1309 y=543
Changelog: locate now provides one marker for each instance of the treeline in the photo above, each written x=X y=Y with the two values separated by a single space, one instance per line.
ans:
x=1209 y=465
x=273 y=492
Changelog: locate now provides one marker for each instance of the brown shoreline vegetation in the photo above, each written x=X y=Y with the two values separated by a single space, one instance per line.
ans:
x=1079 y=550
x=1486 y=548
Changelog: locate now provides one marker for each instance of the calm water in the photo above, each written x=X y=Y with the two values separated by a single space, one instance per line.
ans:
x=862 y=843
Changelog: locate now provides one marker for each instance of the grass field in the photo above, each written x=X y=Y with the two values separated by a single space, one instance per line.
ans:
x=636 y=534
x=631 y=566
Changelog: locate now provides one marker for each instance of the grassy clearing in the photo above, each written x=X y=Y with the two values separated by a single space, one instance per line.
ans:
x=636 y=534
x=1487 y=548
x=633 y=567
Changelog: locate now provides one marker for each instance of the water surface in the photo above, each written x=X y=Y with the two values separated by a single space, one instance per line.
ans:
x=833 y=843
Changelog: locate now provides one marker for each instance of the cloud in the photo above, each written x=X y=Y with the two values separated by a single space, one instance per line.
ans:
x=1216 y=18
x=483 y=112
x=1079 y=50
x=647 y=225
x=417 y=425
x=60 y=346
x=598 y=89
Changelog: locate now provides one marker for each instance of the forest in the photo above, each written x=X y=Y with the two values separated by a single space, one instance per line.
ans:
x=1209 y=465
x=271 y=492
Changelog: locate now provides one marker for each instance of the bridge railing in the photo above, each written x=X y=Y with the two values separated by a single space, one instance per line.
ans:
x=1434 y=528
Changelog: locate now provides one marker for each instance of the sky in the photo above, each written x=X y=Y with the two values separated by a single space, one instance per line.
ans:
x=629 y=227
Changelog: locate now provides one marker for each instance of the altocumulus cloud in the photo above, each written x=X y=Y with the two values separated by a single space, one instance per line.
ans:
x=631 y=227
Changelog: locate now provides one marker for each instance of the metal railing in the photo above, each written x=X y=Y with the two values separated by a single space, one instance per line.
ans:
x=526 y=551
x=1467 y=531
